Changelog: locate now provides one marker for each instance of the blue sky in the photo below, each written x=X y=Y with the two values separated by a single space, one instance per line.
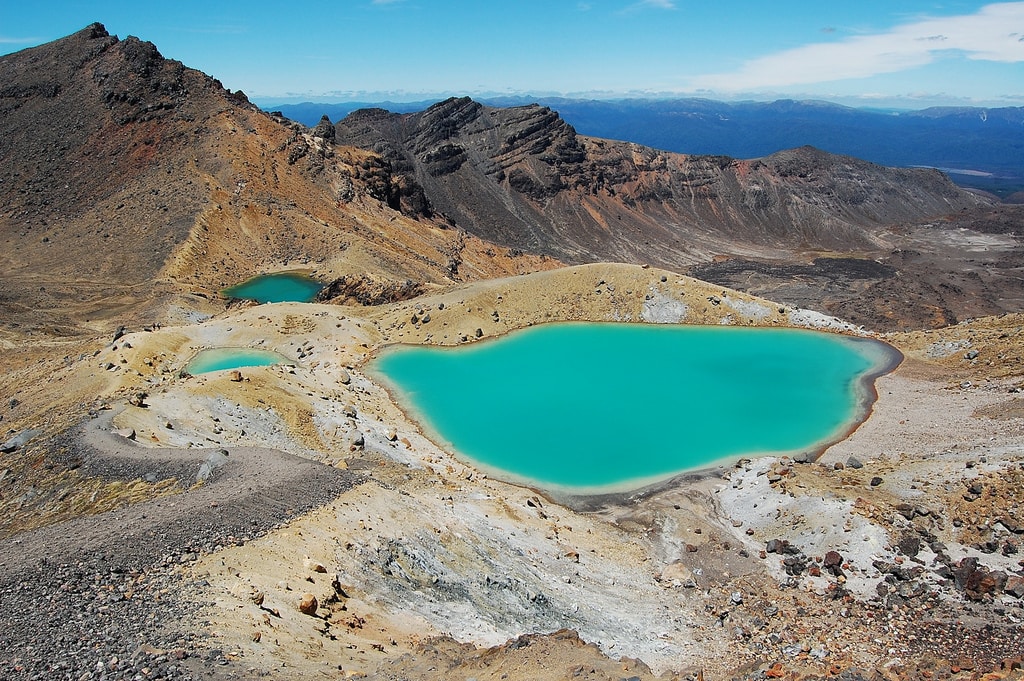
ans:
x=872 y=52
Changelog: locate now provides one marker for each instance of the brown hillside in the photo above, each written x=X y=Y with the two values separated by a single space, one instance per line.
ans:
x=127 y=176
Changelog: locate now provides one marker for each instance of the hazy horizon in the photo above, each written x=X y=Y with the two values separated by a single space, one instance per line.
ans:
x=407 y=98
x=908 y=55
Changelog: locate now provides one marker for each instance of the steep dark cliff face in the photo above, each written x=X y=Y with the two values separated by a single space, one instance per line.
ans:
x=522 y=177
x=486 y=170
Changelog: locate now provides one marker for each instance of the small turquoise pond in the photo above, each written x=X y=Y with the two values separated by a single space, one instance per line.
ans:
x=586 y=408
x=276 y=288
x=218 y=359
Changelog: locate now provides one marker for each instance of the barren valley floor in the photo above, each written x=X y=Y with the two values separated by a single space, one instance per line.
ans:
x=291 y=521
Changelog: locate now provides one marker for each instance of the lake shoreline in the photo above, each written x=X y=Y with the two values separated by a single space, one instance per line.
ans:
x=882 y=358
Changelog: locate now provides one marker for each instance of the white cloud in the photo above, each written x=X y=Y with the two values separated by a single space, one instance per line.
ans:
x=5 y=40
x=655 y=4
x=992 y=34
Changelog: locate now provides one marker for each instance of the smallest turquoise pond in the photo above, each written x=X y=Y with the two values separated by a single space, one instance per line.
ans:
x=283 y=287
x=594 y=408
x=219 y=359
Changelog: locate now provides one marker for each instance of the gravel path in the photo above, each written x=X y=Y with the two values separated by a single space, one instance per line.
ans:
x=101 y=597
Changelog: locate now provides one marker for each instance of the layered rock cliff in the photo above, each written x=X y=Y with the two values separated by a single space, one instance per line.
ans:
x=521 y=176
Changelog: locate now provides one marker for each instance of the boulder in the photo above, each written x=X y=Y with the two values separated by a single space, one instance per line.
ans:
x=833 y=563
x=911 y=589
x=18 y=441
x=308 y=604
x=676 y=574
x=904 y=509
x=977 y=581
x=1014 y=586
x=909 y=545
x=325 y=129
x=794 y=565
x=212 y=463
x=314 y=566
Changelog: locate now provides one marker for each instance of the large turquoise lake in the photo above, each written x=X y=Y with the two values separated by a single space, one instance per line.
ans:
x=587 y=408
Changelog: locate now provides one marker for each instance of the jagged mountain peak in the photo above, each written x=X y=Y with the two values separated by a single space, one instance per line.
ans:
x=526 y=141
x=94 y=31
x=529 y=129
x=456 y=111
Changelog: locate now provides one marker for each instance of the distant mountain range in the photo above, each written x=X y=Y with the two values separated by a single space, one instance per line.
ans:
x=978 y=147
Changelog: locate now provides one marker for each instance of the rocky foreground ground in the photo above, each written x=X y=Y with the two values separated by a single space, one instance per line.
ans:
x=291 y=522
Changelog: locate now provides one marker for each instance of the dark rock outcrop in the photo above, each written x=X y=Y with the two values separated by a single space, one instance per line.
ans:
x=324 y=130
x=977 y=581
x=365 y=290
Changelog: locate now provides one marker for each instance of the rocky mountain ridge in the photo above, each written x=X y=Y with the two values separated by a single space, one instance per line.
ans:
x=522 y=176
x=981 y=147
x=890 y=248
